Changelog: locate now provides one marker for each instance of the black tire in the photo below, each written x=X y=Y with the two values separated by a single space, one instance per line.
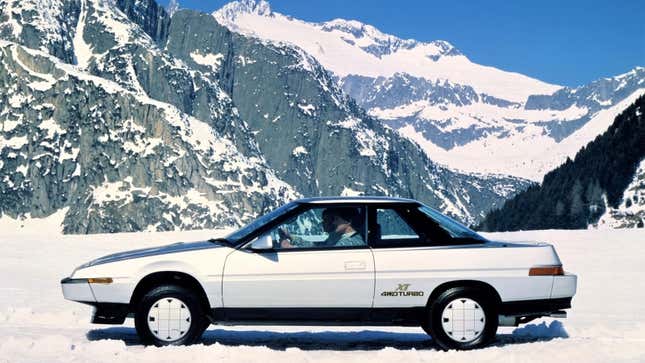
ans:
x=435 y=328
x=198 y=321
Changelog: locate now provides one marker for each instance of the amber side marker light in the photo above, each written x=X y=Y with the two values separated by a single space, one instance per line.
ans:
x=100 y=280
x=546 y=271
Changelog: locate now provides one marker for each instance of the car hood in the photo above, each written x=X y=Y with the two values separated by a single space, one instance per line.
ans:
x=153 y=251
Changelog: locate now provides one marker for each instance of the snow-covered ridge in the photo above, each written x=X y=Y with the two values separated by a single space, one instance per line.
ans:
x=347 y=47
x=368 y=37
x=233 y=9
x=630 y=73
x=526 y=151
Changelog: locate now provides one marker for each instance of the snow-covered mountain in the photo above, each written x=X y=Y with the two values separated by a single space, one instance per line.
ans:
x=349 y=47
x=123 y=118
x=464 y=115
x=527 y=139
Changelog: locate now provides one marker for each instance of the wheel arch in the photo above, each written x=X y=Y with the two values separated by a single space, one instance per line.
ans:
x=481 y=285
x=178 y=278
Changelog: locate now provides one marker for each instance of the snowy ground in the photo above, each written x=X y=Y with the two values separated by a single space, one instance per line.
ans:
x=607 y=322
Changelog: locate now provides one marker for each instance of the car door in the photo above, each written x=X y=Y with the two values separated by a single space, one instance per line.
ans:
x=314 y=272
x=403 y=261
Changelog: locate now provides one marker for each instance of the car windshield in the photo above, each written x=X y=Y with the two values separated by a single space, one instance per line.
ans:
x=454 y=228
x=236 y=236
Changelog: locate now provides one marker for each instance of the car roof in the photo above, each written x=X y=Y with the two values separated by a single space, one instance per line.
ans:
x=362 y=199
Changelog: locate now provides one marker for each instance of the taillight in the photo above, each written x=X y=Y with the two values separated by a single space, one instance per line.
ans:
x=546 y=270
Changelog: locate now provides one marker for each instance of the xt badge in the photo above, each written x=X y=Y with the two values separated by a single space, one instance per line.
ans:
x=402 y=290
x=403 y=287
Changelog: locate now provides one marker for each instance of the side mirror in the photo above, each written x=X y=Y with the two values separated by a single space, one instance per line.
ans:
x=263 y=242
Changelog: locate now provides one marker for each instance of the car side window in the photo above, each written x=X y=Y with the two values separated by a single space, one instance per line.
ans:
x=393 y=226
x=392 y=230
x=329 y=227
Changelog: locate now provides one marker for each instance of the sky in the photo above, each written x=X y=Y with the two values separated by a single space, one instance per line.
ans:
x=565 y=42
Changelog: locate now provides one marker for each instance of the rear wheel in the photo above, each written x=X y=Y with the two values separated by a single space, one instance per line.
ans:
x=170 y=315
x=462 y=318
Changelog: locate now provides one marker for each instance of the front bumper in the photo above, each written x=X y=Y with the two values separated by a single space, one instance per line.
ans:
x=77 y=290
x=109 y=313
x=118 y=291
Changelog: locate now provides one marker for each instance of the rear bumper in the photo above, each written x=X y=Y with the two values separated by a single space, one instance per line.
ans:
x=564 y=286
x=563 y=289
x=534 y=307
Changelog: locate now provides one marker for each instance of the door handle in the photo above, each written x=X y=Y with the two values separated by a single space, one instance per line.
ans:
x=354 y=265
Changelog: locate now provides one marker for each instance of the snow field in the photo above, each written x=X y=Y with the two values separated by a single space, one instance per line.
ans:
x=606 y=323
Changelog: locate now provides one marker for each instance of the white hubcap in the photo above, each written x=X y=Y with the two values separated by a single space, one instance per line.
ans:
x=463 y=320
x=169 y=319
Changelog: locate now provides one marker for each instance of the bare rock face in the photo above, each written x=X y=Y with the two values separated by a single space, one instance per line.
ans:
x=95 y=142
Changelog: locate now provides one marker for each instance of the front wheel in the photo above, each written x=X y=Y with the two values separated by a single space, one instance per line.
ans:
x=170 y=315
x=462 y=318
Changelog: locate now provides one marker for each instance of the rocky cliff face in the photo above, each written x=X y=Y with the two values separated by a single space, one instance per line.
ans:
x=133 y=120
x=43 y=25
x=89 y=138
x=118 y=161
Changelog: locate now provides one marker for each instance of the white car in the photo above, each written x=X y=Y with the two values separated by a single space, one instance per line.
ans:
x=331 y=261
